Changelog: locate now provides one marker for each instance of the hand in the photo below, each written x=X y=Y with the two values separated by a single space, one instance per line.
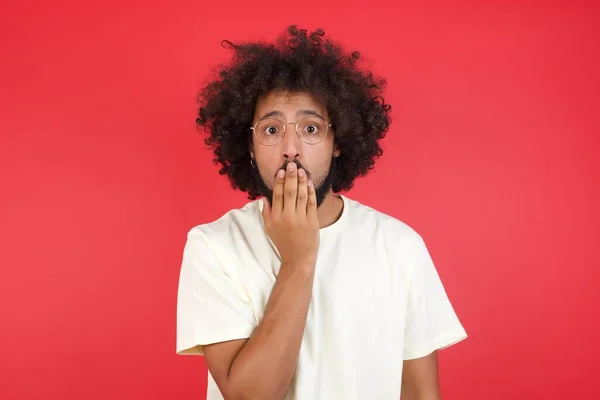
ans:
x=291 y=221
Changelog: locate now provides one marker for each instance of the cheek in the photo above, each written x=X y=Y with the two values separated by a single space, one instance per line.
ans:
x=318 y=165
x=265 y=156
x=267 y=166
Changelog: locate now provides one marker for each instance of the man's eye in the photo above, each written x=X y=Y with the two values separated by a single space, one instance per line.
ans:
x=271 y=130
x=311 y=129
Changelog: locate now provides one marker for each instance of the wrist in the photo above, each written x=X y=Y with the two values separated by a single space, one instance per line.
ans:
x=301 y=266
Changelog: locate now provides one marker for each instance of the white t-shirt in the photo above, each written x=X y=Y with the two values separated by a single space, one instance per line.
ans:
x=377 y=300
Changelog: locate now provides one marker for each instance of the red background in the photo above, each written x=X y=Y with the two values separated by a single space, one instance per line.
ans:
x=492 y=156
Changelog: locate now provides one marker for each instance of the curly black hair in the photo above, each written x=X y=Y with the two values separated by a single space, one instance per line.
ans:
x=295 y=61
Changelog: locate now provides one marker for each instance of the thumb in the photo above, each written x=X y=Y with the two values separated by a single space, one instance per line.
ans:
x=266 y=212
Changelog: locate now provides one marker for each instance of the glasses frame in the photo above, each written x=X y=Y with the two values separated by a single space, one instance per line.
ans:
x=285 y=124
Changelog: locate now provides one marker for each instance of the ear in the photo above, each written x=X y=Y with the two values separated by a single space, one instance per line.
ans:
x=336 y=151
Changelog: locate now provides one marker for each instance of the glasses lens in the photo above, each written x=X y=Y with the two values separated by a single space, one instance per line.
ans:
x=268 y=131
x=312 y=129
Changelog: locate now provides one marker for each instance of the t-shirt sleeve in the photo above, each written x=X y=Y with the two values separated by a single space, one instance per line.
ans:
x=431 y=322
x=211 y=305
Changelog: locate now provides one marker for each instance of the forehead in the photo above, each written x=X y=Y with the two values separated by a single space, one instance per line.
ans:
x=288 y=103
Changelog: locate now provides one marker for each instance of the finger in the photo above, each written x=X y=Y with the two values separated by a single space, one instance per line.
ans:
x=290 y=189
x=277 y=206
x=311 y=204
x=302 y=198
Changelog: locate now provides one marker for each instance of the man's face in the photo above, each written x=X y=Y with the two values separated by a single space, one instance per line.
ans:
x=317 y=159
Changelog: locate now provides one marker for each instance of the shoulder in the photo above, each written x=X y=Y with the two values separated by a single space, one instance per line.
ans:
x=234 y=222
x=388 y=228
x=364 y=216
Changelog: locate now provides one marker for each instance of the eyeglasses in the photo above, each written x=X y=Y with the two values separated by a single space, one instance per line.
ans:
x=311 y=130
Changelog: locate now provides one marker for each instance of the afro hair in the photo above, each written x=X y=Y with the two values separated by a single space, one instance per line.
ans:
x=296 y=61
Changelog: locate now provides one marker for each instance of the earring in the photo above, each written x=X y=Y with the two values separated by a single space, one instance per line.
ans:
x=252 y=162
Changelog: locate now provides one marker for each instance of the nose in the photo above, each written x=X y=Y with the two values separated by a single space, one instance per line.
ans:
x=291 y=143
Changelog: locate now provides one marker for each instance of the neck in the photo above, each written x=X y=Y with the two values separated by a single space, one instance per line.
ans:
x=330 y=210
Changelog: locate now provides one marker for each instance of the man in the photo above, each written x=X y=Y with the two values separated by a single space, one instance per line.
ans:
x=304 y=293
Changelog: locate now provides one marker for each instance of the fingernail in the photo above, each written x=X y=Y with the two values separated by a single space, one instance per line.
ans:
x=301 y=172
x=280 y=173
x=291 y=166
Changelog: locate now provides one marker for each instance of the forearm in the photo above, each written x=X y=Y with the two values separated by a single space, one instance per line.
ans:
x=430 y=396
x=264 y=367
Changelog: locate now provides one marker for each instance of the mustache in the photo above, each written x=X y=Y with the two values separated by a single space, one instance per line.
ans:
x=298 y=165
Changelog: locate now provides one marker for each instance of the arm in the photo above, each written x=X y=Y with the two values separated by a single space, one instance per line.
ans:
x=262 y=366
x=420 y=379
x=431 y=325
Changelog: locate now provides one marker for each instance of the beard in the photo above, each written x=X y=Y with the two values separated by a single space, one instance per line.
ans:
x=321 y=191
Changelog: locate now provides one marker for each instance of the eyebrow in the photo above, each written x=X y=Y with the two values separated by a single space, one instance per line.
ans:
x=305 y=113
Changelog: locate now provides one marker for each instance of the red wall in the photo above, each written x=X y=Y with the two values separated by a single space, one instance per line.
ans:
x=492 y=157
